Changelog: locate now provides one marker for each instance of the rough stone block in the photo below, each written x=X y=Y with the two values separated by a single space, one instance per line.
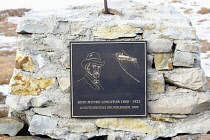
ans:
x=135 y=125
x=25 y=85
x=28 y=43
x=149 y=30
x=62 y=110
x=64 y=83
x=24 y=62
x=163 y=119
x=159 y=45
x=180 y=103
x=166 y=32
x=190 y=78
x=187 y=47
x=163 y=61
x=43 y=111
x=10 y=126
x=156 y=83
x=185 y=59
x=83 y=128
x=150 y=59
x=116 y=32
x=18 y=103
x=183 y=33
x=42 y=125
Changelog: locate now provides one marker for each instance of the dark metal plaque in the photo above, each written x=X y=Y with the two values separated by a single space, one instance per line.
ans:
x=108 y=79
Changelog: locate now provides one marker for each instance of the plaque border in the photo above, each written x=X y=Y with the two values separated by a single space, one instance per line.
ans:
x=71 y=80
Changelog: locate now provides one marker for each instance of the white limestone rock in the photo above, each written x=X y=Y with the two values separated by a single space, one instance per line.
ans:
x=64 y=83
x=150 y=59
x=190 y=78
x=156 y=83
x=184 y=59
x=159 y=45
x=18 y=103
x=10 y=126
x=62 y=110
x=188 y=47
x=180 y=103
x=42 y=125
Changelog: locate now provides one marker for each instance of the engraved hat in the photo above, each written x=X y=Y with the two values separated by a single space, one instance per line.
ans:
x=93 y=58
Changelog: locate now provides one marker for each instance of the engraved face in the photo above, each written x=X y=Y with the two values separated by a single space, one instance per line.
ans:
x=94 y=70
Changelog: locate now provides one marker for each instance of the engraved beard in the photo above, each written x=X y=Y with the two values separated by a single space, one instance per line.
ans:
x=94 y=70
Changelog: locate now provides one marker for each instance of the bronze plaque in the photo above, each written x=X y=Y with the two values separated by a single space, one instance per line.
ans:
x=108 y=79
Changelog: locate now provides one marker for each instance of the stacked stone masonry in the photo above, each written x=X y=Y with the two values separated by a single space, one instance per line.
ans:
x=178 y=99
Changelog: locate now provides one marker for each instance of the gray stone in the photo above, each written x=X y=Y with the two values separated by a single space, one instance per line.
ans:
x=150 y=59
x=159 y=45
x=111 y=137
x=18 y=103
x=42 y=125
x=64 y=83
x=188 y=47
x=62 y=110
x=181 y=103
x=10 y=126
x=185 y=59
x=191 y=78
x=156 y=83
x=43 y=111
x=41 y=101
x=65 y=60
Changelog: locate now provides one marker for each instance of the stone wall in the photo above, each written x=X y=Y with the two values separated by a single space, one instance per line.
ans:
x=178 y=99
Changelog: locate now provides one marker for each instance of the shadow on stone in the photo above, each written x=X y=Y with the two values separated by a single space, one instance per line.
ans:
x=98 y=138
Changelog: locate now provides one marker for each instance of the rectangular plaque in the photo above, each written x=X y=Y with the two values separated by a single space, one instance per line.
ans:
x=108 y=79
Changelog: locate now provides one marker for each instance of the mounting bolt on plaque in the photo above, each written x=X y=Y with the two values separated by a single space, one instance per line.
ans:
x=110 y=11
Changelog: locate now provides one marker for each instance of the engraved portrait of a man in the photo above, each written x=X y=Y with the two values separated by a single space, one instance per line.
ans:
x=92 y=65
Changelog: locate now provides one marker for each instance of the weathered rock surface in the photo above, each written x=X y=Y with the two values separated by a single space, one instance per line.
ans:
x=189 y=102
x=64 y=83
x=185 y=59
x=25 y=85
x=135 y=125
x=159 y=46
x=191 y=78
x=116 y=32
x=10 y=126
x=42 y=125
x=156 y=83
x=163 y=61
x=24 y=62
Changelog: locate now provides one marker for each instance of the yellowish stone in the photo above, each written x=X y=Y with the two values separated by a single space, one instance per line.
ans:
x=135 y=125
x=150 y=27
x=24 y=62
x=116 y=32
x=25 y=85
x=163 y=119
x=163 y=61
